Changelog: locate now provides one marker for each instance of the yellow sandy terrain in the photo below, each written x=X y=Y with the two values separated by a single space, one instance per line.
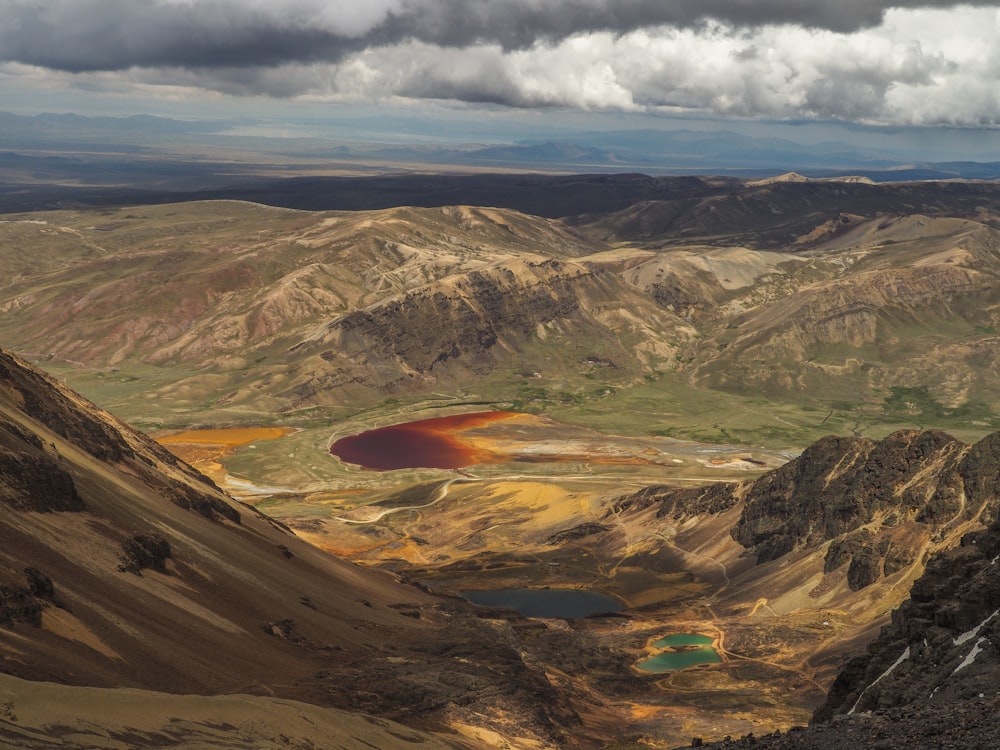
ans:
x=205 y=449
x=50 y=715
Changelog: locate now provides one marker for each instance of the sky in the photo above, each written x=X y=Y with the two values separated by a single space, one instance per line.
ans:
x=858 y=64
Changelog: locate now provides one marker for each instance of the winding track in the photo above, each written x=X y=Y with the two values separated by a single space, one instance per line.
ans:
x=442 y=493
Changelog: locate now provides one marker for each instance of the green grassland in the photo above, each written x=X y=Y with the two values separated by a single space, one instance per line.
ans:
x=661 y=405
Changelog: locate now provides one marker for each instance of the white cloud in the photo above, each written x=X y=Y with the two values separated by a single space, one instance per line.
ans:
x=919 y=66
x=922 y=67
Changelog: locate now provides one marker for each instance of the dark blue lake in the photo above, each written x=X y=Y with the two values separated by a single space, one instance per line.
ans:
x=565 y=604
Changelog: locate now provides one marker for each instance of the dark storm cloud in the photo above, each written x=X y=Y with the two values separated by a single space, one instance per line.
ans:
x=89 y=35
x=114 y=35
x=519 y=23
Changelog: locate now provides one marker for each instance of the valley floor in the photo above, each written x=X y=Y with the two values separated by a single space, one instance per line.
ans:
x=550 y=524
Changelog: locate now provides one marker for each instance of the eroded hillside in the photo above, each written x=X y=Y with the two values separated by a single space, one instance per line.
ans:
x=863 y=320
x=929 y=678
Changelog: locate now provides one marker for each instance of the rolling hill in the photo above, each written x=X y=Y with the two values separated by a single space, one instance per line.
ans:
x=870 y=320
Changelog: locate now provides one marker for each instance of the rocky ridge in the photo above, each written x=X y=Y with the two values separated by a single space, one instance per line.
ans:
x=870 y=506
x=470 y=326
x=929 y=680
x=733 y=215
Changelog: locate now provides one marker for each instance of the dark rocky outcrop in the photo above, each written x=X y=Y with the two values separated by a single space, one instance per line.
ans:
x=24 y=603
x=19 y=605
x=677 y=502
x=838 y=484
x=941 y=645
x=36 y=482
x=213 y=508
x=59 y=414
x=979 y=473
x=79 y=422
x=578 y=532
x=466 y=325
x=851 y=492
x=929 y=680
x=39 y=584
x=144 y=551
x=13 y=434
x=969 y=725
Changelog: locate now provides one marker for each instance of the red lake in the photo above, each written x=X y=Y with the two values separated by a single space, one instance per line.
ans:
x=427 y=443
x=495 y=437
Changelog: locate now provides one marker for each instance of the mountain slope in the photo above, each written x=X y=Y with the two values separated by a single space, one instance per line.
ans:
x=869 y=306
x=887 y=321
x=242 y=305
x=942 y=641
x=127 y=541
x=773 y=215
x=848 y=525
x=471 y=325
x=41 y=716
x=235 y=277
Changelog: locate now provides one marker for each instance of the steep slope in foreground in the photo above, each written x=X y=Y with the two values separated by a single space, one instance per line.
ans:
x=121 y=567
x=41 y=716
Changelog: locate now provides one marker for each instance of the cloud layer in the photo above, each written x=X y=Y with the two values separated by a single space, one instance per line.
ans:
x=902 y=62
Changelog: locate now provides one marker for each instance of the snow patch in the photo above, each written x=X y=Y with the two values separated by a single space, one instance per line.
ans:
x=968 y=635
x=902 y=657
x=971 y=656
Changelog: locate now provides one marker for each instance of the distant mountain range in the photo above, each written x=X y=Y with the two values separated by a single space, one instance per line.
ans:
x=246 y=146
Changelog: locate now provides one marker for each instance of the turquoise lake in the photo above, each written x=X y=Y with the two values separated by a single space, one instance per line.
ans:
x=684 y=639
x=682 y=650
x=670 y=661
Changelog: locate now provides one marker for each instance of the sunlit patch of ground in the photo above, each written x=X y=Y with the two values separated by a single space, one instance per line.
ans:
x=230 y=436
x=549 y=503
x=64 y=624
